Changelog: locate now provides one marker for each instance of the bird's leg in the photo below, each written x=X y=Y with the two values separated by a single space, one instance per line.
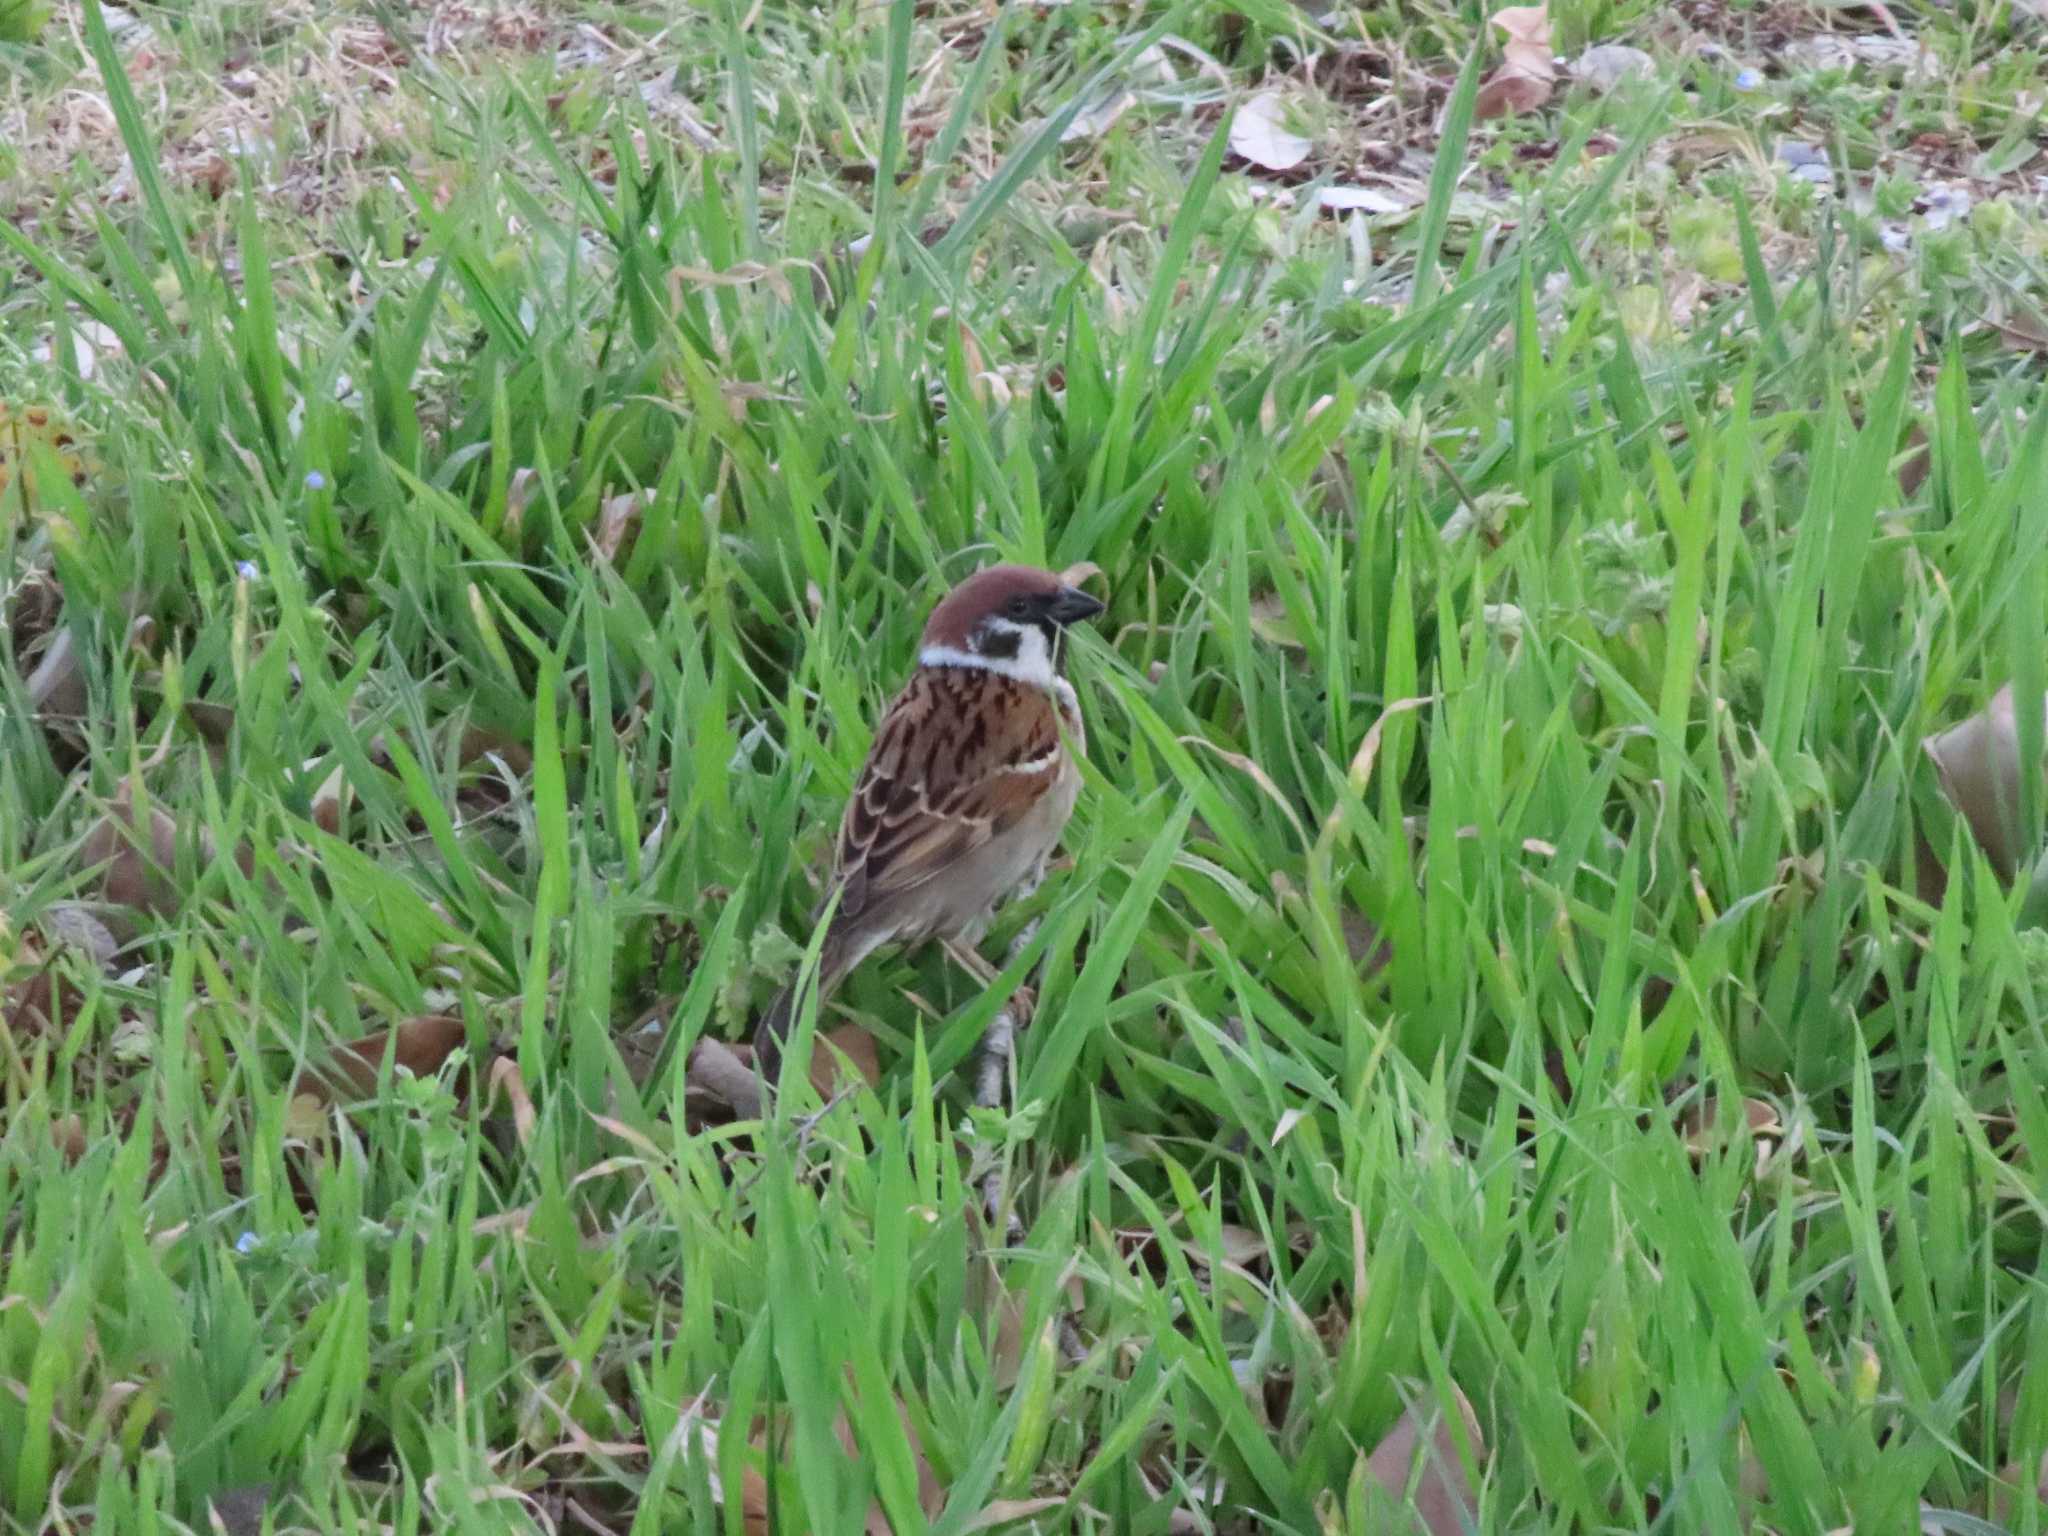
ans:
x=964 y=955
x=992 y=1072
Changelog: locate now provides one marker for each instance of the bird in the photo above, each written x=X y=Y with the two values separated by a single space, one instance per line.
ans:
x=969 y=783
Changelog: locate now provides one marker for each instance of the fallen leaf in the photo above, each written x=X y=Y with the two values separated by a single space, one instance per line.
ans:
x=68 y=1132
x=505 y=1078
x=1919 y=457
x=325 y=808
x=859 y=1048
x=1369 y=948
x=1369 y=749
x=238 y=1511
x=1528 y=38
x=618 y=519
x=1288 y=1120
x=1443 y=1497
x=739 y=275
x=754 y=1488
x=1699 y=1127
x=519 y=493
x=138 y=861
x=22 y=427
x=1607 y=65
x=1098 y=116
x=1528 y=68
x=1241 y=1246
x=2023 y=331
x=1010 y=1511
x=56 y=689
x=1978 y=763
x=38 y=997
x=420 y=1045
x=1272 y=623
x=1259 y=133
x=1082 y=571
x=930 y=1496
x=481 y=744
x=1360 y=200
x=715 y=1069
x=1506 y=94
x=72 y=925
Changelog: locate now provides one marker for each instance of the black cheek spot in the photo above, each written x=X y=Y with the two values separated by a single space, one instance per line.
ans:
x=1000 y=644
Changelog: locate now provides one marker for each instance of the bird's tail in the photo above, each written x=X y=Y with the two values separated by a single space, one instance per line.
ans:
x=772 y=1031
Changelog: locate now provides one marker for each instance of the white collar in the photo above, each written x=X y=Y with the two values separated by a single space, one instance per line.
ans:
x=1034 y=669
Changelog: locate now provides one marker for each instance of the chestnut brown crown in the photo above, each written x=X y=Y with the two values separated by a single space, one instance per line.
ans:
x=1003 y=599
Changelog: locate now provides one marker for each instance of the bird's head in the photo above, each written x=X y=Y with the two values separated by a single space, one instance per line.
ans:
x=1009 y=619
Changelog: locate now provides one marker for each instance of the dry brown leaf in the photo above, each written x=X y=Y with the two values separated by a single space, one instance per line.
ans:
x=2024 y=331
x=1371 y=951
x=1443 y=1497
x=56 y=689
x=1697 y=1124
x=1978 y=763
x=238 y=1511
x=420 y=1045
x=138 y=862
x=1506 y=93
x=480 y=743
x=1010 y=1511
x=738 y=275
x=930 y=1496
x=1006 y=1340
x=618 y=522
x=1241 y=1246
x=505 y=1078
x=827 y=1075
x=754 y=1488
x=1368 y=753
x=1698 y=1127
x=1918 y=461
x=1272 y=623
x=726 y=1076
x=326 y=804
x=519 y=494
x=38 y=997
x=1528 y=46
x=1528 y=67
x=21 y=426
x=68 y=1131
x=215 y=723
x=1080 y=571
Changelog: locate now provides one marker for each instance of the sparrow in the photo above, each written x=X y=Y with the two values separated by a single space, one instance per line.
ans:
x=968 y=786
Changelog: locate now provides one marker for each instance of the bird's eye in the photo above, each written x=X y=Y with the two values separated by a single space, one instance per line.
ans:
x=1020 y=608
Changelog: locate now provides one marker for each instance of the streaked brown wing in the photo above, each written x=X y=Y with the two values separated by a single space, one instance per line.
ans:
x=960 y=758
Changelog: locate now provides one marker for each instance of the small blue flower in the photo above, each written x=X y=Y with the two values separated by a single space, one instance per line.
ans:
x=246 y=569
x=248 y=1242
x=1749 y=80
x=315 y=481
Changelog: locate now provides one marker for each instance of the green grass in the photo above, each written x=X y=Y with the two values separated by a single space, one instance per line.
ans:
x=487 y=530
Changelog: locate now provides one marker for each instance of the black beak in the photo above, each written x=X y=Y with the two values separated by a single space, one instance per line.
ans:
x=1070 y=605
